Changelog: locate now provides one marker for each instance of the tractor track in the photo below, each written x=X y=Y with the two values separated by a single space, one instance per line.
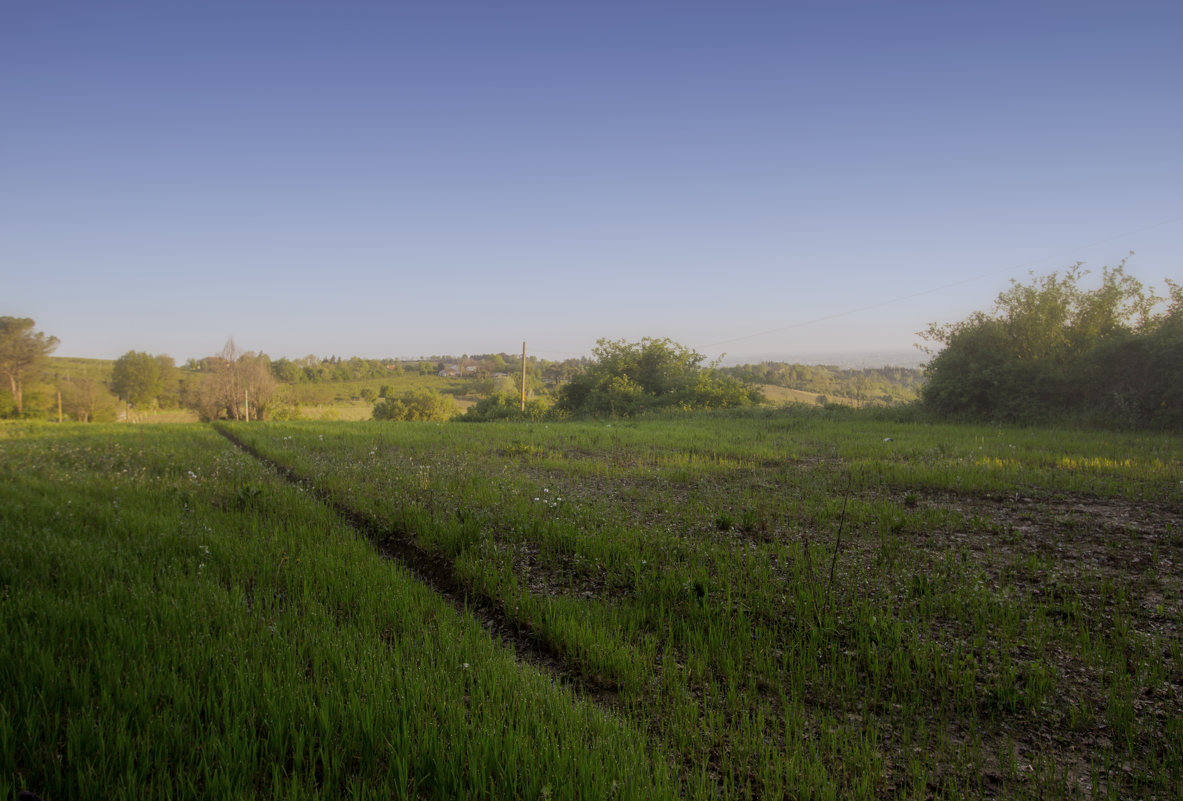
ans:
x=439 y=573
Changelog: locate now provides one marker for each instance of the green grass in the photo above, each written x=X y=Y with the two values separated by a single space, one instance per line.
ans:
x=76 y=367
x=795 y=604
x=329 y=392
x=177 y=622
x=801 y=603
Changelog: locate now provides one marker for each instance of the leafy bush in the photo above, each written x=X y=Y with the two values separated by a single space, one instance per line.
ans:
x=417 y=404
x=1051 y=349
x=506 y=407
x=626 y=379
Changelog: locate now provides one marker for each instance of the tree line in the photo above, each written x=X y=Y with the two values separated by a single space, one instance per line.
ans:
x=233 y=384
x=1051 y=350
x=312 y=369
x=622 y=379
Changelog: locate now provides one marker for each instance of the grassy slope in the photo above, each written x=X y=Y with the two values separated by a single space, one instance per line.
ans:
x=179 y=623
x=782 y=395
x=821 y=604
x=74 y=367
x=326 y=392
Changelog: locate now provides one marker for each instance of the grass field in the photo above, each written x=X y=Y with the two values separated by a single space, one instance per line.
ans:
x=788 y=604
x=357 y=410
x=783 y=395
x=337 y=392
x=72 y=367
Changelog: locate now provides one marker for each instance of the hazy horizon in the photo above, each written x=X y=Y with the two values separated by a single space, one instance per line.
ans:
x=848 y=359
x=373 y=179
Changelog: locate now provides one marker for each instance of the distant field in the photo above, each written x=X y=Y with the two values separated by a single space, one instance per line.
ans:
x=337 y=392
x=770 y=604
x=164 y=416
x=348 y=411
x=353 y=411
x=781 y=395
x=71 y=367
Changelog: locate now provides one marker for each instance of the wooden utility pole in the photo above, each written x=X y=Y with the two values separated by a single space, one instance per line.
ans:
x=59 y=406
x=246 y=404
x=523 y=376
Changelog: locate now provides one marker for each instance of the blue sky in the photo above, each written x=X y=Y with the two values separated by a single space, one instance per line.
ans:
x=769 y=180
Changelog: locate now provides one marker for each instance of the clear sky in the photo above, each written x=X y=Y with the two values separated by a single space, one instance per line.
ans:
x=765 y=179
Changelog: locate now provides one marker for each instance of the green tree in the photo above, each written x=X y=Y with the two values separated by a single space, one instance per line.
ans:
x=417 y=404
x=1051 y=347
x=287 y=371
x=136 y=378
x=23 y=352
x=625 y=379
x=86 y=399
x=170 y=381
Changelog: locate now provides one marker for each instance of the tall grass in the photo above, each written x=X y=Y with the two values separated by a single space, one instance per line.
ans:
x=810 y=604
x=179 y=623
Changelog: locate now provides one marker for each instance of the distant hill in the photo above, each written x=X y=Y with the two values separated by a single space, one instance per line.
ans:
x=76 y=367
x=866 y=386
x=782 y=395
x=847 y=360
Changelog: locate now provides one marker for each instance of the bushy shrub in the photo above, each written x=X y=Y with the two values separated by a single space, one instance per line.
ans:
x=627 y=379
x=417 y=404
x=1052 y=350
x=506 y=407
